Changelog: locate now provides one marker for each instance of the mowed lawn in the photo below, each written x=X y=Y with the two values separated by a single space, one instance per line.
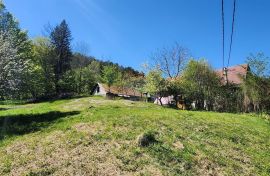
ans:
x=94 y=136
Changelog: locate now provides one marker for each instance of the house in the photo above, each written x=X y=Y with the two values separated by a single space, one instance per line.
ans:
x=235 y=76
x=116 y=91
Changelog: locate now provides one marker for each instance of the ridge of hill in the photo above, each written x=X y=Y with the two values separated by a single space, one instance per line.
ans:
x=78 y=60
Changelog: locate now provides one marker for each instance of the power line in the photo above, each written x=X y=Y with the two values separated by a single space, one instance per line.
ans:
x=223 y=33
x=234 y=5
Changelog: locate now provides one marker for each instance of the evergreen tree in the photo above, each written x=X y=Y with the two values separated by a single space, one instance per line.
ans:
x=60 y=39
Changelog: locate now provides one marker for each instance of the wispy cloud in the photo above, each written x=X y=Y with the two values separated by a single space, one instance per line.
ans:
x=98 y=18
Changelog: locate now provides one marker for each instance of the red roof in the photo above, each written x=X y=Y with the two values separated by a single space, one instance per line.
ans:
x=235 y=74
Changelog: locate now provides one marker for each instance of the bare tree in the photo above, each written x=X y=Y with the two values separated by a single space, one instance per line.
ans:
x=82 y=48
x=171 y=60
x=47 y=30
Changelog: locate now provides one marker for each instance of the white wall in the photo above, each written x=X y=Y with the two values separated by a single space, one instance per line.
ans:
x=101 y=92
x=164 y=100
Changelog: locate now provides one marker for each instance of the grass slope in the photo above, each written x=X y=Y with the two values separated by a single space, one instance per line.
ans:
x=94 y=136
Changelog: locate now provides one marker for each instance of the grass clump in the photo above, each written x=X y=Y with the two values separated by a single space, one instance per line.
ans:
x=146 y=139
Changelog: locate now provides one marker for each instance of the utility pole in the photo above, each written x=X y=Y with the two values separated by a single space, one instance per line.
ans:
x=225 y=74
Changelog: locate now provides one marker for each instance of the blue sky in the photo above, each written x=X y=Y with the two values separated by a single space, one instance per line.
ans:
x=128 y=31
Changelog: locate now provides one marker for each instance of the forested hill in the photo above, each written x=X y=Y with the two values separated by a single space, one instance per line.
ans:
x=79 y=60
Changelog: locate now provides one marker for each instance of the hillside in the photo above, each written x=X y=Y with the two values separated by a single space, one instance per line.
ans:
x=94 y=136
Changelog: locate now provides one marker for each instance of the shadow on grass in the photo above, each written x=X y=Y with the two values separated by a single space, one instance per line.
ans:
x=13 y=102
x=56 y=98
x=15 y=125
x=50 y=99
x=4 y=109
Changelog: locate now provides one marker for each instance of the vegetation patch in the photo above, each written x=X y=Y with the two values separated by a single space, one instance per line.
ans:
x=146 y=139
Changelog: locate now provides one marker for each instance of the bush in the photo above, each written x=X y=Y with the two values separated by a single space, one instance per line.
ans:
x=146 y=139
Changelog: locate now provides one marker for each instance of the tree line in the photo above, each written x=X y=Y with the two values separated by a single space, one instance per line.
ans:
x=195 y=82
x=46 y=67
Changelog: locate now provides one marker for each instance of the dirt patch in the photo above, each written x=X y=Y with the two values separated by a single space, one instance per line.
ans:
x=89 y=128
x=151 y=170
x=208 y=168
x=201 y=128
x=86 y=103
x=178 y=145
x=122 y=129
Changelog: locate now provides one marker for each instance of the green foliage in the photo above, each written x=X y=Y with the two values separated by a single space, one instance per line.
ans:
x=127 y=80
x=123 y=81
x=87 y=77
x=44 y=65
x=79 y=60
x=256 y=91
x=229 y=98
x=138 y=83
x=256 y=87
x=61 y=38
x=155 y=83
x=110 y=74
x=67 y=82
x=200 y=83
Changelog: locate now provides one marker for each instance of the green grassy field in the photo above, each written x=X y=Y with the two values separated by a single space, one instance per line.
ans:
x=94 y=136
